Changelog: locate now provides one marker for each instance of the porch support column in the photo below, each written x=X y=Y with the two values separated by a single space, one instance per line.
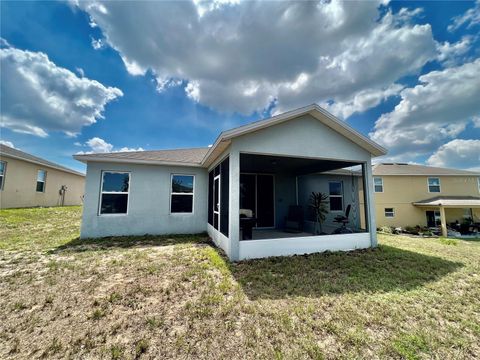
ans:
x=234 y=206
x=369 y=202
x=443 y=221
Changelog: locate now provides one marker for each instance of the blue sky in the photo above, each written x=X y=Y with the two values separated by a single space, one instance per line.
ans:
x=113 y=76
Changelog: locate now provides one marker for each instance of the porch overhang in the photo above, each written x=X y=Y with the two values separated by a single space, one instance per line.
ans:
x=450 y=202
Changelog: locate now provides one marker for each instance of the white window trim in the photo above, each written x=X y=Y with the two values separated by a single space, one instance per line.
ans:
x=219 y=177
x=192 y=194
x=114 y=192
x=5 y=170
x=478 y=182
x=375 y=185
x=42 y=181
x=338 y=196
x=389 y=212
x=439 y=185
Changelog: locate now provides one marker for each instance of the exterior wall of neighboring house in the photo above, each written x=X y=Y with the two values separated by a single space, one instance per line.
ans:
x=20 y=181
x=148 y=202
x=399 y=192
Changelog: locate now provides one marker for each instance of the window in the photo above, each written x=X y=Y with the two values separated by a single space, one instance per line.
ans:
x=3 y=167
x=336 y=195
x=182 y=194
x=434 y=185
x=114 y=194
x=41 y=179
x=389 y=212
x=378 y=182
x=478 y=181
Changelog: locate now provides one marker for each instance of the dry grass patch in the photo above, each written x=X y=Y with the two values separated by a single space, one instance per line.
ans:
x=178 y=297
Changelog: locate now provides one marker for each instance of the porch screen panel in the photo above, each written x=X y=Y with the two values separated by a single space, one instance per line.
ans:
x=224 y=196
x=210 y=198
x=265 y=205
x=247 y=192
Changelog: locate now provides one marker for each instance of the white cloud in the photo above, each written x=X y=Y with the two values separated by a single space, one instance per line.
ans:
x=435 y=111
x=7 y=143
x=476 y=121
x=98 y=145
x=97 y=44
x=80 y=71
x=242 y=57
x=458 y=153
x=469 y=19
x=451 y=53
x=39 y=96
x=4 y=42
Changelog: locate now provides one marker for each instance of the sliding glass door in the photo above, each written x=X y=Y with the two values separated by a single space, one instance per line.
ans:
x=257 y=194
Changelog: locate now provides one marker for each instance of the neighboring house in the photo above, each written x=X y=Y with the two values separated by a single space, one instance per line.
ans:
x=264 y=171
x=410 y=195
x=27 y=181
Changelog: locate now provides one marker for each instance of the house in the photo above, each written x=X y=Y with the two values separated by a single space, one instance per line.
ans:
x=27 y=181
x=256 y=176
x=410 y=195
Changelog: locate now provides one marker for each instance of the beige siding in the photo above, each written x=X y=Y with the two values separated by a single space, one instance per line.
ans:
x=399 y=192
x=19 y=187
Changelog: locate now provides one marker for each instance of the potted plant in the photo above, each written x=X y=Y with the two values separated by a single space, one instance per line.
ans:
x=318 y=202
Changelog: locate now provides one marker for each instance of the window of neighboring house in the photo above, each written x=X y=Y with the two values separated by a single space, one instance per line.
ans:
x=336 y=195
x=478 y=182
x=3 y=167
x=41 y=180
x=434 y=185
x=181 y=197
x=114 y=193
x=389 y=212
x=378 y=182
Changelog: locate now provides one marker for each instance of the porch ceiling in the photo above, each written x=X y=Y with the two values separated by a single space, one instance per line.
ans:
x=299 y=166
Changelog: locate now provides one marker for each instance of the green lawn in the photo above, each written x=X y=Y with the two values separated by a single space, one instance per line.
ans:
x=178 y=297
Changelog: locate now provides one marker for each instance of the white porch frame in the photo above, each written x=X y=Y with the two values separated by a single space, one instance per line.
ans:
x=241 y=250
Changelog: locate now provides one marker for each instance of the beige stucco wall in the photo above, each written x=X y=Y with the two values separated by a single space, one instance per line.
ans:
x=399 y=192
x=19 y=188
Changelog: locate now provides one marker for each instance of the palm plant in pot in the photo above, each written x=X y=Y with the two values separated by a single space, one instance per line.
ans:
x=318 y=202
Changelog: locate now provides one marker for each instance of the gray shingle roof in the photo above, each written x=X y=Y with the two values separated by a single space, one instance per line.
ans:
x=17 y=154
x=419 y=170
x=184 y=156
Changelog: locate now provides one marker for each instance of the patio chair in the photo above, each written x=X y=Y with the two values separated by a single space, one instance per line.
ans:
x=343 y=219
x=294 y=219
x=247 y=222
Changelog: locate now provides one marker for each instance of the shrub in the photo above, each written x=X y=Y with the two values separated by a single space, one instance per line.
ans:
x=411 y=230
x=386 y=230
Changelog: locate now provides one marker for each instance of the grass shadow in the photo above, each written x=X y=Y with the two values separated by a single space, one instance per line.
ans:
x=124 y=242
x=383 y=269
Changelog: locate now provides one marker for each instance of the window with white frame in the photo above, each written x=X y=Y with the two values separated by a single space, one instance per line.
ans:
x=181 y=198
x=41 y=180
x=336 y=195
x=114 y=193
x=434 y=185
x=378 y=182
x=389 y=212
x=3 y=167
